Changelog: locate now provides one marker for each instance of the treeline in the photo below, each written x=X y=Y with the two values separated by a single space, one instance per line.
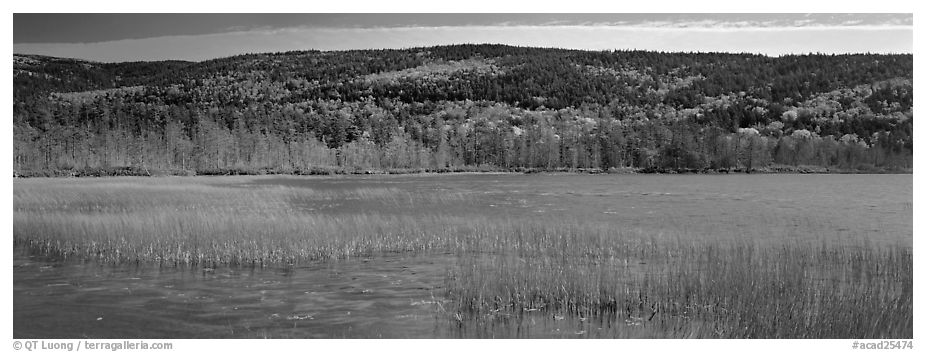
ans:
x=497 y=137
x=464 y=107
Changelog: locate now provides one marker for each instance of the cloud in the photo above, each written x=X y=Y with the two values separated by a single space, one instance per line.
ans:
x=699 y=36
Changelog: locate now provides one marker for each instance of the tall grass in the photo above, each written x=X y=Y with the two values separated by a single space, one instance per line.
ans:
x=630 y=283
x=694 y=289
x=179 y=223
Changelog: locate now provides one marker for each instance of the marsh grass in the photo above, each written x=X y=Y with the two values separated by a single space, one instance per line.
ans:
x=605 y=280
x=676 y=289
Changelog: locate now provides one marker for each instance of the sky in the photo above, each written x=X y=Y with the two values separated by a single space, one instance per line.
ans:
x=197 y=37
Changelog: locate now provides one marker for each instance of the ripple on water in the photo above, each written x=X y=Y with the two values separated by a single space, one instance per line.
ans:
x=350 y=298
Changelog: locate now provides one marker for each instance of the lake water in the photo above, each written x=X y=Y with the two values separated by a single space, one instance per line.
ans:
x=401 y=296
x=877 y=208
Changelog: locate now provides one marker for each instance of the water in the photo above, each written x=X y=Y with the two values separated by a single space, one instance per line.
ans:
x=401 y=296
x=391 y=297
x=387 y=297
x=876 y=208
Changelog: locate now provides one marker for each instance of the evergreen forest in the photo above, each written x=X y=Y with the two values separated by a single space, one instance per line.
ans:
x=464 y=108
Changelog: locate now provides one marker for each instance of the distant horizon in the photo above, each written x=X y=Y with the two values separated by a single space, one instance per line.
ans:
x=202 y=37
x=518 y=46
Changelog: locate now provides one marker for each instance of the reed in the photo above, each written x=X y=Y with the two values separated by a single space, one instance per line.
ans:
x=703 y=290
x=628 y=282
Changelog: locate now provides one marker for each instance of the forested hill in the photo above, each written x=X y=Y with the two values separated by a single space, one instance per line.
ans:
x=463 y=107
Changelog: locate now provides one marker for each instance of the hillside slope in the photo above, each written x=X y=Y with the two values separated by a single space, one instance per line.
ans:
x=463 y=107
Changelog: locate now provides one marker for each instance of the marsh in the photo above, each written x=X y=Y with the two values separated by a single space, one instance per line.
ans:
x=464 y=255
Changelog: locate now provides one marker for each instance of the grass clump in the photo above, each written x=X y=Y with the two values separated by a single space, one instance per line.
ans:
x=704 y=289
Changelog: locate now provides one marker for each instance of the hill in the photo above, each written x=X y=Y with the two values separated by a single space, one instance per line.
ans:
x=463 y=107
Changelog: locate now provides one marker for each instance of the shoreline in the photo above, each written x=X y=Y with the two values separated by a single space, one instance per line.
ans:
x=144 y=172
